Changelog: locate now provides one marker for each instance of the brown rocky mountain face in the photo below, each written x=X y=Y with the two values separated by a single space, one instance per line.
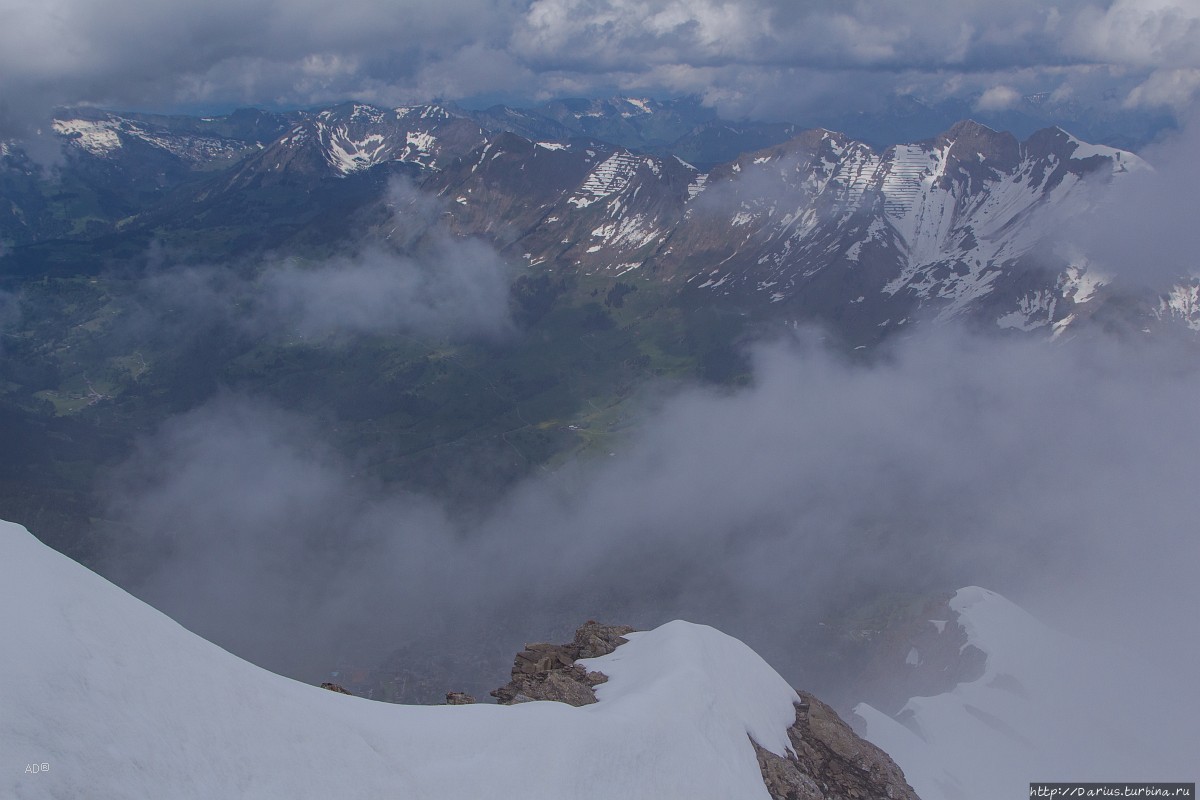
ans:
x=829 y=761
x=548 y=671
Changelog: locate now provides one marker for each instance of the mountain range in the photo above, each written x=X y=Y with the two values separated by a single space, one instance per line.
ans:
x=452 y=302
x=821 y=226
x=644 y=239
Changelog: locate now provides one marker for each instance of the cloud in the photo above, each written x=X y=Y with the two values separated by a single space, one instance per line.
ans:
x=170 y=54
x=414 y=278
x=459 y=290
x=998 y=98
x=1060 y=475
x=1145 y=230
x=143 y=53
x=1175 y=88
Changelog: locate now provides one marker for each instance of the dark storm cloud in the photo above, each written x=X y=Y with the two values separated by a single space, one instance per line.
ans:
x=141 y=53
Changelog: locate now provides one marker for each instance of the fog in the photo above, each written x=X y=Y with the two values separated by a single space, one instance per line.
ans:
x=1146 y=232
x=410 y=277
x=1060 y=475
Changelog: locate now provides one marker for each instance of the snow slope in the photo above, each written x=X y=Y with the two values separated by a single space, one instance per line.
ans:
x=120 y=701
x=1047 y=708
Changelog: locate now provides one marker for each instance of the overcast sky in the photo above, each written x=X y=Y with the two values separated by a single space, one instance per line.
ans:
x=749 y=57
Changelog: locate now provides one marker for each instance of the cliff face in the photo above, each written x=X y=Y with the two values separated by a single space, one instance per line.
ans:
x=827 y=759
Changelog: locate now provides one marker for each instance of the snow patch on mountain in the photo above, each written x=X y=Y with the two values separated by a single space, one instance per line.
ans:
x=1034 y=310
x=1122 y=160
x=347 y=155
x=1079 y=283
x=98 y=137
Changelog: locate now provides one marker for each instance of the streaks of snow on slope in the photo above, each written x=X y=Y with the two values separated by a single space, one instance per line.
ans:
x=1035 y=310
x=627 y=232
x=921 y=211
x=609 y=177
x=873 y=231
x=125 y=702
x=190 y=148
x=858 y=172
x=348 y=153
x=905 y=172
x=420 y=148
x=977 y=234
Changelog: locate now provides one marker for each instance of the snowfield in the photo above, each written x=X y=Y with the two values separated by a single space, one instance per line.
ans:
x=120 y=701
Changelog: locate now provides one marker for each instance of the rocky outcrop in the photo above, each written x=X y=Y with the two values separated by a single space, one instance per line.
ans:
x=829 y=761
x=548 y=671
x=333 y=687
x=922 y=652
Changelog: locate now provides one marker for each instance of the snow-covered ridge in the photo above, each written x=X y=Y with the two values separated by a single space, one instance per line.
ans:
x=1047 y=707
x=357 y=137
x=120 y=701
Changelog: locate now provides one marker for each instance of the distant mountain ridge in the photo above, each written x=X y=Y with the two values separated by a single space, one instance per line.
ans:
x=812 y=226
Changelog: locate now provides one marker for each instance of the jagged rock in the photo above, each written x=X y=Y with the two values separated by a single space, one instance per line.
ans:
x=594 y=640
x=459 y=699
x=545 y=671
x=333 y=687
x=921 y=653
x=830 y=761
